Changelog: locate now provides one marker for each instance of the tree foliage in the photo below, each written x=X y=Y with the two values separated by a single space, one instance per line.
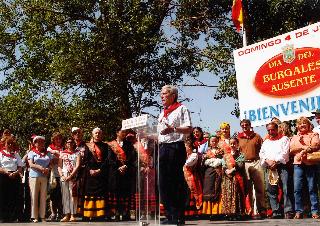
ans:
x=86 y=63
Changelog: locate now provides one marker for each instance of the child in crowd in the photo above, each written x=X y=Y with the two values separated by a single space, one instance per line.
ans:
x=233 y=182
x=212 y=164
x=192 y=175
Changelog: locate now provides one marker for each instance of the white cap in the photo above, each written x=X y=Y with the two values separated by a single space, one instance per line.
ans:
x=38 y=138
x=97 y=129
x=73 y=129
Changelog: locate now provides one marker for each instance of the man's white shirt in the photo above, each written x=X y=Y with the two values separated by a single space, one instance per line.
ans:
x=180 y=117
x=277 y=150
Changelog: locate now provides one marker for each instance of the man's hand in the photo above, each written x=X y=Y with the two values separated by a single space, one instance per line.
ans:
x=167 y=130
x=13 y=175
x=45 y=171
x=122 y=169
x=271 y=164
x=94 y=172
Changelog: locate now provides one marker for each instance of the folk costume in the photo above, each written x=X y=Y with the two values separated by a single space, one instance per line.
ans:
x=122 y=187
x=147 y=196
x=233 y=185
x=212 y=165
x=83 y=150
x=192 y=170
x=95 y=187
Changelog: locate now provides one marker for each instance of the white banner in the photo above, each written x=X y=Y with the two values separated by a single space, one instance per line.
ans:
x=135 y=122
x=280 y=77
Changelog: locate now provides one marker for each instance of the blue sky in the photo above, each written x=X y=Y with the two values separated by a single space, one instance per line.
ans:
x=207 y=112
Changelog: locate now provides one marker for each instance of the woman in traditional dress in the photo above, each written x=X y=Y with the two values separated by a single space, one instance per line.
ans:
x=95 y=187
x=233 y=182
x=224 y=134
x=10 y=182
x=147 y=183
x=82 y=149
x=200 y=143
x=69 y=163
x=122 y=177
x=39 y=162
x=212 y=164
x=55 y=148
x=192 y=175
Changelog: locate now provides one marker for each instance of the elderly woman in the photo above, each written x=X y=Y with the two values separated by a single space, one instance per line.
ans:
x=122 y=176
x=39 y=162
x=301 y=144
x=95 y=187
x=10 y=183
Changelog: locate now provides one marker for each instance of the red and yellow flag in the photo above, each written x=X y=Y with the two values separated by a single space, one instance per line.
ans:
x=237 y=14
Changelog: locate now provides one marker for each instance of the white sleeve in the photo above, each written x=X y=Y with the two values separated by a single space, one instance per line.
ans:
x=262 y=155
x=19 y=161
x=284 y=155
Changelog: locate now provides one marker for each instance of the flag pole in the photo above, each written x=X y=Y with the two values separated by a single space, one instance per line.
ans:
x=244 y=36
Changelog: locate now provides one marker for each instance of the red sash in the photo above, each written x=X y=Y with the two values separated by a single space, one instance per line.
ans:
x=230 y=161
x=115 y=147
x=194 y=184
x=67 y=152
x=143 y=155
x=9 y=155
x=171 y=108
x=199 y=143
x=42 y=154
x=95 y=150
x=53 y=147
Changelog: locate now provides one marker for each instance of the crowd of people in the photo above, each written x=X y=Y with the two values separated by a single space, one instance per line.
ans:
x=218 y=176
x=93 y=180
x=245 y=176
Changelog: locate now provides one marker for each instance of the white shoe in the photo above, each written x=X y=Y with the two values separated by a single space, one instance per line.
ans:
x=35 y=221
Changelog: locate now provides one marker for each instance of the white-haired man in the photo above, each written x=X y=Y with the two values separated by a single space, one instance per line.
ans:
x=174 y=124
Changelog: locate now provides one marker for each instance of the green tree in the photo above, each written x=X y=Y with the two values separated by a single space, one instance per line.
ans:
x=86 y=63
